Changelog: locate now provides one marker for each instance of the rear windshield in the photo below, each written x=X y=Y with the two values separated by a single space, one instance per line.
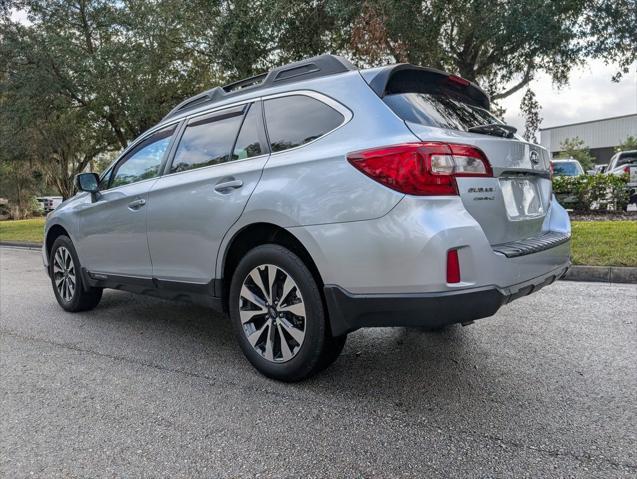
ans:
x=568 y=168
x=432 y=109
x=627 y=158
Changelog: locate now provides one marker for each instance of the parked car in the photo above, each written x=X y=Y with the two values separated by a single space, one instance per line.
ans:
x=314 y=200
x=625 y=162
x=599 y=169
x=566 y=167
x=49 y=203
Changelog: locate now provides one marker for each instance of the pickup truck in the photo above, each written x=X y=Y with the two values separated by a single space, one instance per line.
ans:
x=622 y=163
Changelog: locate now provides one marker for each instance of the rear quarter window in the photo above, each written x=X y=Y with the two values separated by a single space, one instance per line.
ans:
x=295 y=120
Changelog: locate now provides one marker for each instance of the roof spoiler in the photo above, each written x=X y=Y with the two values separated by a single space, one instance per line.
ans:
x=407 y=78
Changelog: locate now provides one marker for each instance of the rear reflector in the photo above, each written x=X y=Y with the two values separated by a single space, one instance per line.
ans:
x=422 y=169
x=453 y=266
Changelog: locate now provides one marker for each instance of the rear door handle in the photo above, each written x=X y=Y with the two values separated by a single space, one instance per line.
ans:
x=224 y=186
x=137 y=204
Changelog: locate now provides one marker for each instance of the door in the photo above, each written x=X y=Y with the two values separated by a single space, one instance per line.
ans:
x=113 y=227
x=216 y=166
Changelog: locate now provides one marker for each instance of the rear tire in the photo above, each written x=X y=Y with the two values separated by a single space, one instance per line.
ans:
x=333 y=347
x=278 y=315
x=66 y=278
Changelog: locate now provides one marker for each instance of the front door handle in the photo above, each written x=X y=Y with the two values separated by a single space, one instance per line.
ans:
x=137 y=204
x=224 y=186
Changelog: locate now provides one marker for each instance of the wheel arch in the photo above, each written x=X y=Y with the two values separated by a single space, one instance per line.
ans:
x=53 y=233
x=257 y=234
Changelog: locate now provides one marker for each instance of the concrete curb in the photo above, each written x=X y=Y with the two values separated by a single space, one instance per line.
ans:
x=603 y=274
x=600 y=274
x=21 y=245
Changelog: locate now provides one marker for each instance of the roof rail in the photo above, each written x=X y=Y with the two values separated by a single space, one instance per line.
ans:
x=322 y=65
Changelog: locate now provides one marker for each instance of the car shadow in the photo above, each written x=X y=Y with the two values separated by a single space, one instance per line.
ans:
x=412 y=368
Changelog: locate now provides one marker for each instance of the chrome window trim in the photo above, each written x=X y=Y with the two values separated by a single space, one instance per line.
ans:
x=201 y=168
x=342 y=109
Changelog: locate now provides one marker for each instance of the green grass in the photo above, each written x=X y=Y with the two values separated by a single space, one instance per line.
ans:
x=604 y=243
x=29 y=231
x=596 y=243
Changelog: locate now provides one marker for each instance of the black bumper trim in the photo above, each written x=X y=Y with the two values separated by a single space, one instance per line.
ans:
x=349 y=312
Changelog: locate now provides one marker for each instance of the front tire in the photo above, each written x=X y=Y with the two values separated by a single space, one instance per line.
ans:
x=278 y=315
x=66 y=278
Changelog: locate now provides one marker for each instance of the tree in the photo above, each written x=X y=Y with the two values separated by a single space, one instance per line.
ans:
x=577 y=149
x=501 y=44
x=84 y=77
x=630 y=143
x=530 y=109
x=87 y=76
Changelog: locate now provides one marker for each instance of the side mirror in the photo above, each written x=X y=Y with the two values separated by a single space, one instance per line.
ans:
x=87 y=182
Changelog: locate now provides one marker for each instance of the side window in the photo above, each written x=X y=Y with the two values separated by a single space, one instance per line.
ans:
x=207 y=141
x=248 y=144
x=143 y=161
x=106 y=177
x=298 y=119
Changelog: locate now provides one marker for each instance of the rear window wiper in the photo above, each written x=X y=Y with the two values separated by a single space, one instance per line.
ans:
x=495 y=129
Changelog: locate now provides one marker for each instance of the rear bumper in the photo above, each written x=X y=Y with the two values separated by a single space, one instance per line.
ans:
x=349 y=312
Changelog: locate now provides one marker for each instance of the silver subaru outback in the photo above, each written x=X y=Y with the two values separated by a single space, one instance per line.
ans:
x=314 y=200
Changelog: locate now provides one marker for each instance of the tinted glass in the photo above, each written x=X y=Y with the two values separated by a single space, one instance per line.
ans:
x=438 y=110
x=627 y=158
x=144 y=160
x=105 y=178
x=567 y=168
x=207 y=142
x=248 y=144
x=295 y=120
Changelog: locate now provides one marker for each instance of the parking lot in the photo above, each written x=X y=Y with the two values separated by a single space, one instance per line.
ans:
x=145 y=387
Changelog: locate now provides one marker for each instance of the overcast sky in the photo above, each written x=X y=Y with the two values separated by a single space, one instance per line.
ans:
x=590 y=95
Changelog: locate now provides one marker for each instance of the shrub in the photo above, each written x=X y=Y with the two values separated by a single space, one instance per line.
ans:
x=595 y=192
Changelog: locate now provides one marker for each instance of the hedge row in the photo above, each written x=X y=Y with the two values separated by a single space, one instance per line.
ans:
x=592 y=192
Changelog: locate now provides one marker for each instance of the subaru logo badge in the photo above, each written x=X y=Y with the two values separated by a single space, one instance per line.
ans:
x=535 y=158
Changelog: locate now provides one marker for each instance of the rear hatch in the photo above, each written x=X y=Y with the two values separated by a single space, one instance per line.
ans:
x=511 y=205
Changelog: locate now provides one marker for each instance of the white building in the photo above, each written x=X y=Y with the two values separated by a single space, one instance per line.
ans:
x=601 y=136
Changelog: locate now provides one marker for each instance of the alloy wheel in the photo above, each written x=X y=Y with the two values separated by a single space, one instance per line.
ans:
x=272 y=312
x=64 y=274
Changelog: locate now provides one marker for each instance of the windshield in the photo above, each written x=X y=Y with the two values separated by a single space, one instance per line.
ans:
x=567 y=168
x=431 y=109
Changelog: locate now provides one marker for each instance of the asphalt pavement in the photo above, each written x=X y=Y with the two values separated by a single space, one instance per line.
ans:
x=142 y=387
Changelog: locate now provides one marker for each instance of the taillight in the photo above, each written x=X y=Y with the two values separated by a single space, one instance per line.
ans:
x=627 y=169
x=458 y=80
x=421 y=169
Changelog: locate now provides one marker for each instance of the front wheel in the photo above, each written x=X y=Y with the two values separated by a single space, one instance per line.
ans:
x=66 y=279
x=278 y=315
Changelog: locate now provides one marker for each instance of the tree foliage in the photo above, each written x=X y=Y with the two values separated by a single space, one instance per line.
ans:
x=576 y=148
x=82 y=78
x=630 y=143
x=530 y=109
x=592 y=192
